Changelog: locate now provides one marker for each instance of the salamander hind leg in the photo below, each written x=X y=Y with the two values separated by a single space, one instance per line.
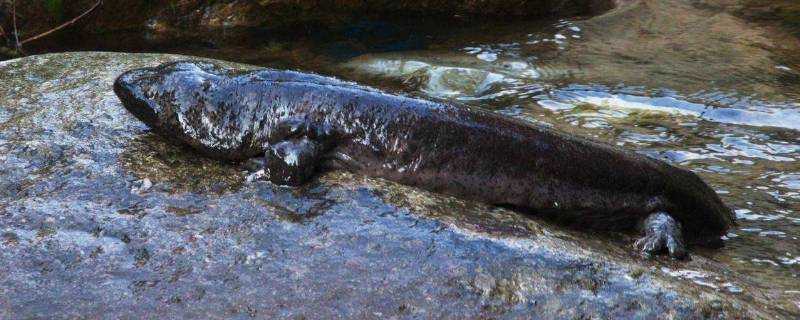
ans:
x=292 y=162
x=662 y=233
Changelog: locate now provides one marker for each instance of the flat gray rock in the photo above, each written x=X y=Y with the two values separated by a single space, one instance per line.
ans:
x=100 y=219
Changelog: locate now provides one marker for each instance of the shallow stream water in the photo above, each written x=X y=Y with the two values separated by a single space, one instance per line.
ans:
x=706 y=91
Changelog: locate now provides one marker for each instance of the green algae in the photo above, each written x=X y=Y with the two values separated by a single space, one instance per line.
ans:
x=150 y=157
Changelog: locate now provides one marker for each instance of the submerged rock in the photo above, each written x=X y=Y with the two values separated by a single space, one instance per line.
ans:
x=447 y=75
x=686 y=46
x=97 y=216
x=642 y=43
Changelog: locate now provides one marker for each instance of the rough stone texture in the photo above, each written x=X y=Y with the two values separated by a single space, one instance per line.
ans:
x=99 y=219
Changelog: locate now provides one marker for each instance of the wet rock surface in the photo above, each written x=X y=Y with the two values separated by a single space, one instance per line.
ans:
x=98 y=216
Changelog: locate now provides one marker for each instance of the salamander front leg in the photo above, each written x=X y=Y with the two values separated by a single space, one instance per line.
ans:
x=291 y=162
x=661 y=233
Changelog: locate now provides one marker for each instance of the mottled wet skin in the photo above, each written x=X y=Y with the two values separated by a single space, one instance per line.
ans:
x=304 y=123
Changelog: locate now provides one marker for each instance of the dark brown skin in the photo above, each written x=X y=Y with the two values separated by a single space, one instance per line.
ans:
x=303 y=123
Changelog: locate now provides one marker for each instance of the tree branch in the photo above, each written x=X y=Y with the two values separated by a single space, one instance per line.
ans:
x=62 y=26
x=17 y=45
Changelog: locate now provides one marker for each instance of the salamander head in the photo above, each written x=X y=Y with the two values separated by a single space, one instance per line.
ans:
x=150 y=93
x=198 y=104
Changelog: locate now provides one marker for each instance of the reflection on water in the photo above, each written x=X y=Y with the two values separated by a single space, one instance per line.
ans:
x=723 y=100
x=751 y=113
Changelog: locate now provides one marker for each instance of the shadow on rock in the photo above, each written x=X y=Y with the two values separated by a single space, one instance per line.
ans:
x=177 y=169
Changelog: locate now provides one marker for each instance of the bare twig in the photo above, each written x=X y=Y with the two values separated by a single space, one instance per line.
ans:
x=17 y=45
x=62 y=26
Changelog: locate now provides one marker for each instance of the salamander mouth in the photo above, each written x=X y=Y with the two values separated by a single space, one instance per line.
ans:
x=130 y=89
